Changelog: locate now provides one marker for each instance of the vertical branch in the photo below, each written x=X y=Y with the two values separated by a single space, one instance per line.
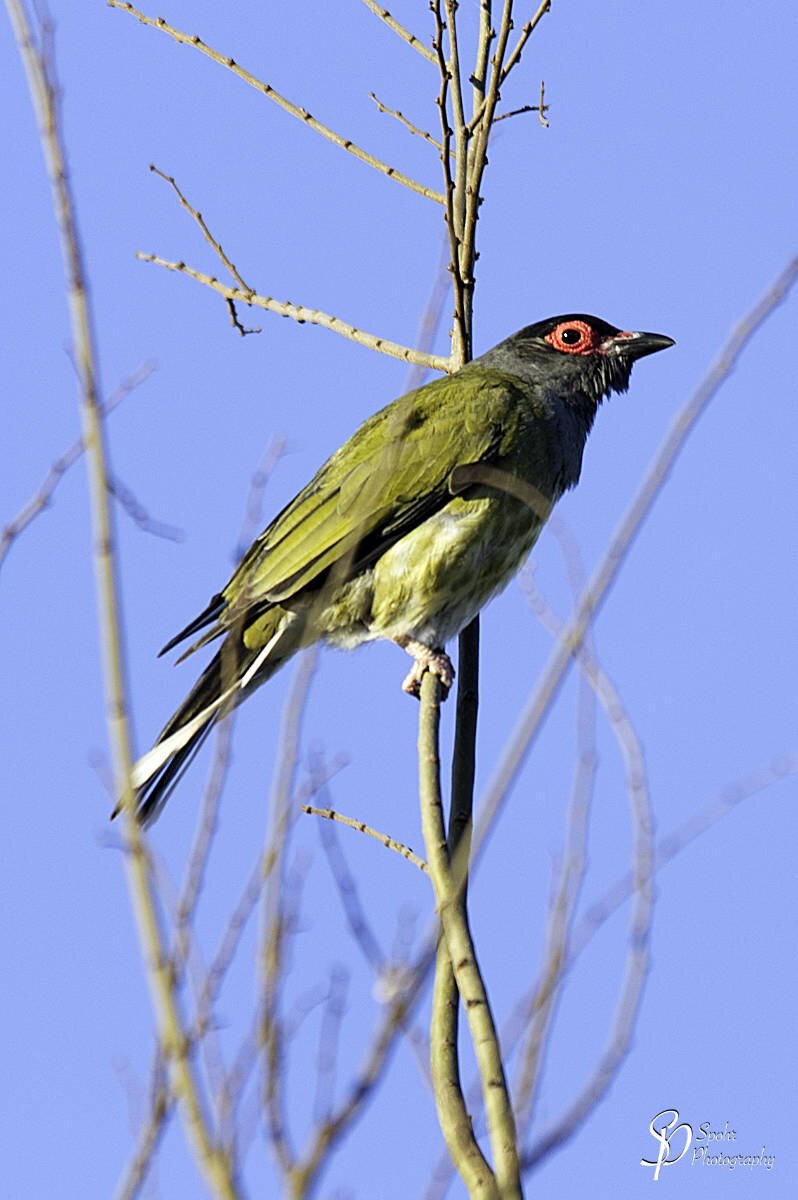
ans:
x=486 y=36
x=462 y=956
x=274 y=920
x=481 y=130
x=458 y=334
x=462 y=253
x=38 y=62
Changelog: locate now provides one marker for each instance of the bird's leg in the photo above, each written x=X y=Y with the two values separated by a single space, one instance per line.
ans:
x=426 y=659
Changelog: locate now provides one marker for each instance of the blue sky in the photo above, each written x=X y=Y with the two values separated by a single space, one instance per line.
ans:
x=663 y=197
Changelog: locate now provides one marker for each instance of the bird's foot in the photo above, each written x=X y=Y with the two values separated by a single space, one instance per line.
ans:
x=426 y=659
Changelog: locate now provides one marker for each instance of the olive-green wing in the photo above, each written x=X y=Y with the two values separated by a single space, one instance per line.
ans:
x=391 y=475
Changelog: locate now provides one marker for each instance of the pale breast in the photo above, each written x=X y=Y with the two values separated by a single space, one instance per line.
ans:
x=435 y=579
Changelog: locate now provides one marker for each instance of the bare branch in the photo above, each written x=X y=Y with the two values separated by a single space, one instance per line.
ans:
x=396 y=1018
x=487 y=35
x=44 y=92
x=400 y=30
x=149 y=1140
x=329 y=1042
x=43 y=496
x=449 y=900
x=460 y=306
x=512 y=58
x=394 y=112
x=232 y=268
x=541 y=108
x=302 y=315
x=274 y=919
x=390 y=843
x=138 y=514
x=515 y=54
x=288 y=106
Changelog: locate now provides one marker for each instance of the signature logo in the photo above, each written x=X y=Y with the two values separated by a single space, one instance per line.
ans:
x=662 y=1131
x=710 y=1146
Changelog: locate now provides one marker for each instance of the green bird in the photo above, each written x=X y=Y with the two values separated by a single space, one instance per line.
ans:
x=410 y=528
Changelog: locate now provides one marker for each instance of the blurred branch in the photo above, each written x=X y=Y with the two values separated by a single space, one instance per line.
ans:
x=149 y=1139
x=673 y=843
x=400 y=30
x=329 y=1042
x=43 y=496
x=328 y=1133
x=138 y=514
x=541 y=700
x=271 y=93
x=274 y=921
x=665 y=850
x=38 y=61
x=207 y=823
x=300 y=314
x=543 y=1002
x=642 y=887
x=597 y=915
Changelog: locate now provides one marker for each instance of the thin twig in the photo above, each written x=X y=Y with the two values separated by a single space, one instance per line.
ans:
x=513 y=58
x=43 y=496
x=390 y=843
x=402 y=119
x=527 y=30
x=271 y=93
x=325 y=1136
x=400 y=30
x=149 y=1139
x=329 y=1042
x=431 y=318
x=480 y=132
x=133 y=508
x=198 y=217
x=541 y=108
x=302 y=315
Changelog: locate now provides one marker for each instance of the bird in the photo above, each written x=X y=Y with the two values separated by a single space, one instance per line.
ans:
x=408 y=529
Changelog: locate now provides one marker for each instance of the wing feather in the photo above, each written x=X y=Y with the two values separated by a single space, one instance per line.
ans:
x=391 y=475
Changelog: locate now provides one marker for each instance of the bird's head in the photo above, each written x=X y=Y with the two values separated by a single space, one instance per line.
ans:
x=576 y=356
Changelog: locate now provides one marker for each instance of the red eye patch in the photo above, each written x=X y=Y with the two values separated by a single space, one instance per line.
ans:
x=574 y=337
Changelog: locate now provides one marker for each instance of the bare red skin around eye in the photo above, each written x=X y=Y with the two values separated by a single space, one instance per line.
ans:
x=589 y=342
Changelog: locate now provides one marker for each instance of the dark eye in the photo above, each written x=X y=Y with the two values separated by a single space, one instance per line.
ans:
x=571 y=337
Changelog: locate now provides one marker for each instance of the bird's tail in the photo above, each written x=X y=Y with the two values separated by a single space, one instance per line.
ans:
x=234 y=672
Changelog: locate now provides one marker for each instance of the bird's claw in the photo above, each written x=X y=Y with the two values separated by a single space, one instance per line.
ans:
x=436 y=661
